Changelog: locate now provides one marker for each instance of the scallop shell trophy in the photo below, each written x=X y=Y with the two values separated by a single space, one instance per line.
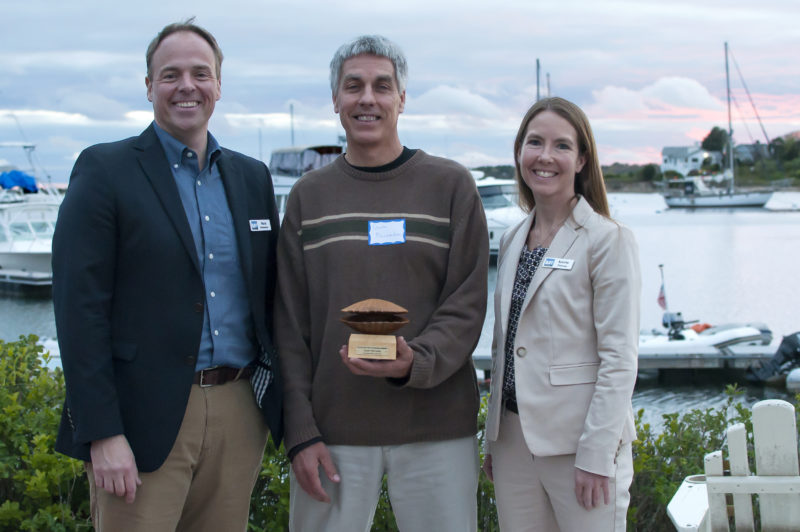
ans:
x=375 y=316
x=375 y=305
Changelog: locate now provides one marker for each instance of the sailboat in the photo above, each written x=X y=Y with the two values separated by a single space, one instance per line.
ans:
x=693 y=192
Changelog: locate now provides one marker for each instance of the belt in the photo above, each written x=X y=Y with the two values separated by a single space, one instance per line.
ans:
x=220 y=375
x=511 y=404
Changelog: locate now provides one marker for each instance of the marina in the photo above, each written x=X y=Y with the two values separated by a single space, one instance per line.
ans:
x=721 y=266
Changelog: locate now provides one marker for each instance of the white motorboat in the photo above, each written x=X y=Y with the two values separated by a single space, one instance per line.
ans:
x=682 y=337
x=499 y=198
x=26 y=234
x=287 y=165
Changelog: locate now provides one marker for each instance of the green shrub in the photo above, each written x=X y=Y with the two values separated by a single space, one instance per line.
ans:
x=43 y=490
x=662 y=459
x=39 y=489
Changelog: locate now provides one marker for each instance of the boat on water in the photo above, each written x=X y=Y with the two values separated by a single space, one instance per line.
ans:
x=28 y=213
x=26 y=236
x=689 y=344
x=680 y=336
x=287 y=165
x=693 y=192
x=499 y=198
x=25 y=185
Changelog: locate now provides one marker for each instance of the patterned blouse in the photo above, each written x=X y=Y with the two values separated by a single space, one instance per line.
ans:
x=528 y=264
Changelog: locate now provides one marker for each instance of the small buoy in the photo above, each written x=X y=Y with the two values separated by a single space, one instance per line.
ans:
x=793 y=380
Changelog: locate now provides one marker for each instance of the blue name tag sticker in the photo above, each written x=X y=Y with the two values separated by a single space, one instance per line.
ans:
x=558 y=264
x=387 y=232
x=260 y=225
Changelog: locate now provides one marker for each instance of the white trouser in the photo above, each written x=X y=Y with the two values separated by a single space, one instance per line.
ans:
x=432 y=486
x=537 y=494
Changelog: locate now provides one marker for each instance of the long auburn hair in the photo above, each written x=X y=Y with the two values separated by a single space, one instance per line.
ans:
x=589 y=181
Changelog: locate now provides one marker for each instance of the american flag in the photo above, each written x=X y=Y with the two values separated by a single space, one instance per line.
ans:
x=662 y=298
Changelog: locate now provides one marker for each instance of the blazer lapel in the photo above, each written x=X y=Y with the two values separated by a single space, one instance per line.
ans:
x=156 y=168
x=559 y=247
x=508 y=268
x=236 y=192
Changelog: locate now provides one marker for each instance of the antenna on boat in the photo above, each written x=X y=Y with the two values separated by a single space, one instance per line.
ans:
x=291 y=120
x=730 y=123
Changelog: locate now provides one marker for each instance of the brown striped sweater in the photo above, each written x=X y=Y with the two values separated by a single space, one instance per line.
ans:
x=437 y=270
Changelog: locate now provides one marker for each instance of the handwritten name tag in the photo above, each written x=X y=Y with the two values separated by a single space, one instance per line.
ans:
x=558 y=264
x=386 y=232
x=260 y=225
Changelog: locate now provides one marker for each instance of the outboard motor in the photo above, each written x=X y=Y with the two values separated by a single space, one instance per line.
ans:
x=786 y=357
x=674 y=323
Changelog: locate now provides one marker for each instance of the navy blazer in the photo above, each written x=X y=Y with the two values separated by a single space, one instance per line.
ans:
x=129 y=296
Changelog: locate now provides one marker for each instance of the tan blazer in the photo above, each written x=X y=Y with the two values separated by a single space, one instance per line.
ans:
x=576 y=348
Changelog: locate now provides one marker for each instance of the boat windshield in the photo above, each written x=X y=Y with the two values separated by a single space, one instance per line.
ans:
x=296 y=162
x=497 y=196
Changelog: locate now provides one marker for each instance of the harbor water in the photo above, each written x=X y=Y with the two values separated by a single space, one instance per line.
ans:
x=720 y=266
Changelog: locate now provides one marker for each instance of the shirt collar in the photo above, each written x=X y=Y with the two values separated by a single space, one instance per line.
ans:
x=174 y=148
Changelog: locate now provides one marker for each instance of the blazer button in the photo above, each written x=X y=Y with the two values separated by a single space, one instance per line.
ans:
x=191 y=360
x=521 y=352
x=198 y=307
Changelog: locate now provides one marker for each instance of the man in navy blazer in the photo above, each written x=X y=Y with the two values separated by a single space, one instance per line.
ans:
x=163 y=281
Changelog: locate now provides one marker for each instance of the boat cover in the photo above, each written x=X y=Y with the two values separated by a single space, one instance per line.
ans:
x=786 y=357
x=17 y=178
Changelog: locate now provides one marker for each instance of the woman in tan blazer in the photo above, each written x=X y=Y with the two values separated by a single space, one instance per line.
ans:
x=560 y=421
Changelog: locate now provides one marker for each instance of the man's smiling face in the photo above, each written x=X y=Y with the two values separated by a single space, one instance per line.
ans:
x=185 y=86
x=369 y=102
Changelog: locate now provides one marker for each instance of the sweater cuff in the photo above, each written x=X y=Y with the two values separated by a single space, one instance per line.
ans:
x=300 y=446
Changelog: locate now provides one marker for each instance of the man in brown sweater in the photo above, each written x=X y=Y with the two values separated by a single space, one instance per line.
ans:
x=382 y=221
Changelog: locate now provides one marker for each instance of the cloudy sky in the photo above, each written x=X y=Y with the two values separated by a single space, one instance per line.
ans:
x=648 y=73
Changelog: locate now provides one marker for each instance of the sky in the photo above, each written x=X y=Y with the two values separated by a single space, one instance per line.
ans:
x=648 y=74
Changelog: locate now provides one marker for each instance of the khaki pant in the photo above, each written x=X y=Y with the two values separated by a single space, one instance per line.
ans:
x=537 y=494
x=206 y=481
x=432 y=487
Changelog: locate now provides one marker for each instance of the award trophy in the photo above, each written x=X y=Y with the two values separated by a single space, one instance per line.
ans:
x=374 y=319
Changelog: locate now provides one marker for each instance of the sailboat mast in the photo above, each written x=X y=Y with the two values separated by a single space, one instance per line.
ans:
x=730 y=123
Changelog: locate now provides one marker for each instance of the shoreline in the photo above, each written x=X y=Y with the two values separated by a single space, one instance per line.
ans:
x=648 y=187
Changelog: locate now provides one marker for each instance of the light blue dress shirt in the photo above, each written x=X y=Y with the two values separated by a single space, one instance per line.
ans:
x=228 y=337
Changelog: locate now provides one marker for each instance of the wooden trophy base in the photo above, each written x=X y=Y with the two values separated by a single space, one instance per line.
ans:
x=372 y=346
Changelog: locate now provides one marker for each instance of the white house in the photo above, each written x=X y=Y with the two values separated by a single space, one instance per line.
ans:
x=683 y=159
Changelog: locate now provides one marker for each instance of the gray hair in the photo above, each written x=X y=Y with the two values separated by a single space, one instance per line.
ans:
x=373 y=45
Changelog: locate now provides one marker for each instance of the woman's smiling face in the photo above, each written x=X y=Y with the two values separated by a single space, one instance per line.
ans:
x=550 y=157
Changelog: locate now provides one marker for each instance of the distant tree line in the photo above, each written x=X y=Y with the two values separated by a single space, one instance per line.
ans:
x=782 y=167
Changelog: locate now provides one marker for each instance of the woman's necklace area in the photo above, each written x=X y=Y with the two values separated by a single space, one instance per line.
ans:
x=535 y=241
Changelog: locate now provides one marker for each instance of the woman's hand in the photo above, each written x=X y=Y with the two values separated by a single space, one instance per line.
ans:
x=589 y=488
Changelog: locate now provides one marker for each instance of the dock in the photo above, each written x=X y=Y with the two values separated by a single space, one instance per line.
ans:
x=698 y=357
x=26 y=282
x=737 y=357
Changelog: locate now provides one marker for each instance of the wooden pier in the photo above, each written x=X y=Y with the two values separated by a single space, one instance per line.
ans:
x=688 y=357
x=737 y=357
x=26 y=282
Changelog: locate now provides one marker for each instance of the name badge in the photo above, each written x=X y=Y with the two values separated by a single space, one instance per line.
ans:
x=260 y=225
x=558 y=264
x=386 y=232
